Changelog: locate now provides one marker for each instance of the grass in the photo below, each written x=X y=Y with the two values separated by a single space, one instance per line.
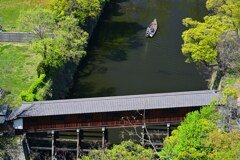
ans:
x=11 y=9
x=233 y=82
x=17 y=70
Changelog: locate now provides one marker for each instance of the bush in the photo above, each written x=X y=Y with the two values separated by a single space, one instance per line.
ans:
x=31 y=94
x=127 y=150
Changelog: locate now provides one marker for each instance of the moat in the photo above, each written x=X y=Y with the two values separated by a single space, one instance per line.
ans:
x=121 y=61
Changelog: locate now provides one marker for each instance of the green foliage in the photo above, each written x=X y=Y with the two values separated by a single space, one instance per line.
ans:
x=30 y=94
x=227 y=95
x=39 y=21
x=229 y=92
x=75 y=39
x=224 y=145
x=8 y=148
x=80 y=9
x=187 y=141
x=67 y=45
x=232 y=82
x=200 y=41
x=127 y=150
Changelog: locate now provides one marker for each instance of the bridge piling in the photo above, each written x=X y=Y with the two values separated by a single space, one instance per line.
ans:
x=168 y=129
x=53 y=145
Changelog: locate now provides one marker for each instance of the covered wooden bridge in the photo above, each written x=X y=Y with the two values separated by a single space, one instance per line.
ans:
x=75 y=120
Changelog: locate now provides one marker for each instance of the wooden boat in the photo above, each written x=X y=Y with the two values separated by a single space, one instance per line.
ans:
x=151 y=29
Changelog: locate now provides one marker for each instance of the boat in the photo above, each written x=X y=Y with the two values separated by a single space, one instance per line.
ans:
x=151 y=29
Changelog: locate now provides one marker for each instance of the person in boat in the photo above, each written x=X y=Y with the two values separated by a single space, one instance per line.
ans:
x=152 y=29
x=148 y=30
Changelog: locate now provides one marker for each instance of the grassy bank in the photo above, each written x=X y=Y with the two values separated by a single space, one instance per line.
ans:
x=17 y=70
x=10 y=10
x=232 y=82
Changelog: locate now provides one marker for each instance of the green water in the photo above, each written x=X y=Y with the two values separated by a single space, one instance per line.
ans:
x=121 y=61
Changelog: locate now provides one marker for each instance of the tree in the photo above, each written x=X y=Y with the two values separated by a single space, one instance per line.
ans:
x=230 y=8
x=200 y=41
x=188 y=140
x=206 y=41
x=224 y=145
x=39 y=21
x=229 y=53
x=67 y=45
x=127 y=150
x=229 y=111
x=80 y=9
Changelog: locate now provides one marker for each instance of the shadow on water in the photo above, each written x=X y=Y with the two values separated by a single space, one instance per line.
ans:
x=117 y=55
x=121 y=61
x=110 y=49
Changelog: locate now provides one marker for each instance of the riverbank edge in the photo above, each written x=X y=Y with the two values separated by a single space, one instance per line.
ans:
x=222 y=82
x=64 y=79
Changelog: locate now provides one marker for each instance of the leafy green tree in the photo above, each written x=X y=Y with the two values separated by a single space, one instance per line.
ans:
x=38 y=20
x=127 y=150
x=80 y=9
x=200 y=41
x=224 y=145
x=208 y=41
x=188 y=140
x=230 y=8
x=67 y=45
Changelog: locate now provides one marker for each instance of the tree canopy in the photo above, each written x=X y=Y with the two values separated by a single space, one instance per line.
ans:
x=188 y=140
x=202 y=38
x=200 y=41
x=224 y=145
x=38 y=20
x=80 y=9
x=67 y=45
x=127 y=150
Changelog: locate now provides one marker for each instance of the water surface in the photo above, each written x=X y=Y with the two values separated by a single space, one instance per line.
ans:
x=121 y=61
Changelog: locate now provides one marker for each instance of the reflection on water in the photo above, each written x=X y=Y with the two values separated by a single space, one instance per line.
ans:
x=121 y=61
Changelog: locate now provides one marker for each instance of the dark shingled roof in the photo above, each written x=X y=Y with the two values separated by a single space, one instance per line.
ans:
x=116 y=103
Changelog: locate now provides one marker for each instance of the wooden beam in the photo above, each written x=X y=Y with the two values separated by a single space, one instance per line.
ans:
x=66 y=149
x=42 y=148
x=103 y=137
x=90 y=140
x=168 y=129
x=87 y=150
x=106 y=135
x=78 y=143
x=40 y=138
x=66 y=140
x=143 y=135
x=93 y=136
x=53 y=143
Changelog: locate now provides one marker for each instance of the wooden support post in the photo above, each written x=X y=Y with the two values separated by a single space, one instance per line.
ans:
x=25 y=145
x=78 y=143
x=103 y=137
x=143 y=136
x=168 y=129
x=53 y=144
x=106 y=136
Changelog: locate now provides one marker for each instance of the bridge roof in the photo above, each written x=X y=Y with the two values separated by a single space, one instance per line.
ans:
x=115 y=103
